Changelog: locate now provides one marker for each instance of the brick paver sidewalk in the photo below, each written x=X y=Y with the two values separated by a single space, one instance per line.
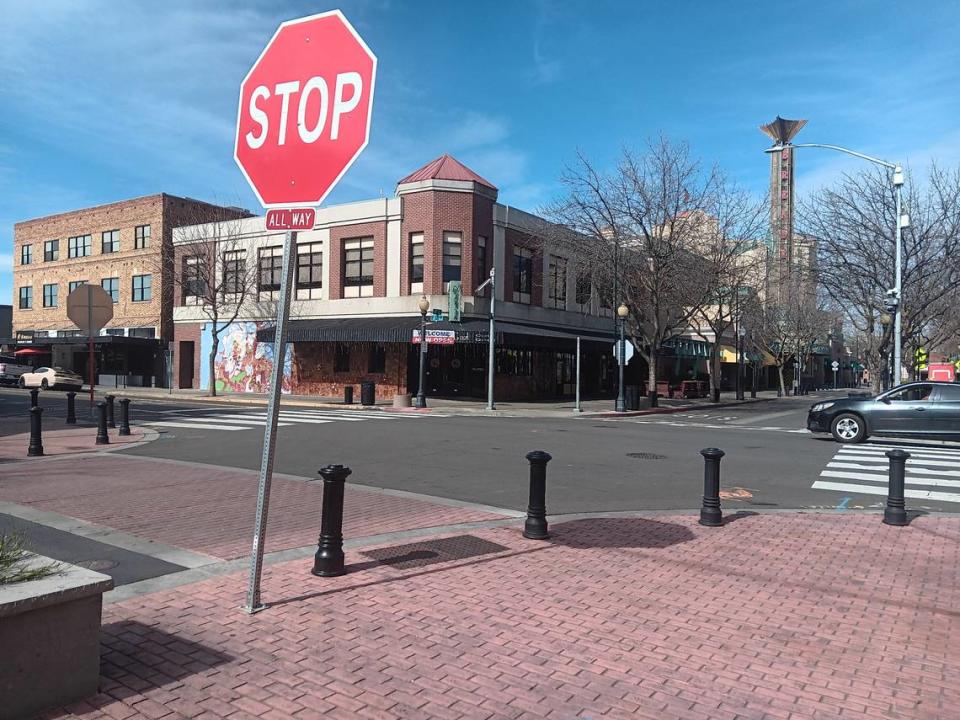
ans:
x=771 y=616
x=66 y=442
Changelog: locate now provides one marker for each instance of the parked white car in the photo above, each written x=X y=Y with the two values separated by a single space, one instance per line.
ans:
x=11 y=370
x=55 y=377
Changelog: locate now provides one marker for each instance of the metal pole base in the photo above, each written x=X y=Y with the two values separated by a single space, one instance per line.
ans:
x=535 y=529
x=419 y=401
x=895 y=516
x=711 y=517
x=328 y=562
x=253 y=610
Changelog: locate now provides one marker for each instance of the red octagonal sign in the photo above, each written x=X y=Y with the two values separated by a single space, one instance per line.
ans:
x=305 y=110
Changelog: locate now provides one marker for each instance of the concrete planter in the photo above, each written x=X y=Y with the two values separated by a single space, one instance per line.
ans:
x=402 y=401
x=50 y=639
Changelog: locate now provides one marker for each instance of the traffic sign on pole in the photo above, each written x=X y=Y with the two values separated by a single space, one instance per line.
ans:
x=627 y=354
x=303 y=118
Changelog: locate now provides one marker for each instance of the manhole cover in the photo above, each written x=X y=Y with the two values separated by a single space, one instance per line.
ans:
x=646 y=456
x=97 y=564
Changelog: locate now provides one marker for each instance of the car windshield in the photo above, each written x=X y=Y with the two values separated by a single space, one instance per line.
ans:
x=42 y=369
x=914 y=393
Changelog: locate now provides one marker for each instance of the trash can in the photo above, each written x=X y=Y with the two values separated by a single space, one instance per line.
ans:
x=348 y=394
x=631 y=398
x=368 y=393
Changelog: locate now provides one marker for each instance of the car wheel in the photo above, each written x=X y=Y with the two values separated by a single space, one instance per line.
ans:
x=848 y=428
x=44 y=384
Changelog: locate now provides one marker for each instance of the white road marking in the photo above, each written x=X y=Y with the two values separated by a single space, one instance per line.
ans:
x=911 y=469
x=194 y=425
x=908 y=480
x=880 y=490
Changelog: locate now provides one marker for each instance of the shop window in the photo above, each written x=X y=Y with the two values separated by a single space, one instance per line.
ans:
x=269 y=271
x=358 y=268
x=557 y=269
x=514 y=362
x=26 y=254
x=142 y=332
x=309 y=271
x=341 y=358
x=522 y=275
x=377 y=362
x=416 y=262
x=452 y=255
x=118 y=332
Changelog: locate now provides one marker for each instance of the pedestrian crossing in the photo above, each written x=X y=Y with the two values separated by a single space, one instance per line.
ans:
x=254 y=419
x=932 y=472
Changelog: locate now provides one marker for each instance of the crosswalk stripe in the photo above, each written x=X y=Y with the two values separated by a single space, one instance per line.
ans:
x=879 y=490
x=195 y=426
x=880 y=449
x=237 y=420
x=886 y=461
x=908 y=480
x=912 y=469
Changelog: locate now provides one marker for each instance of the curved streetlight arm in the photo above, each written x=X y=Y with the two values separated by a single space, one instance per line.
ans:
x=878 y=161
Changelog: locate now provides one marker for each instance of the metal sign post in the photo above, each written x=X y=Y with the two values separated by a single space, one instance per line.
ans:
x=491 y=349
x=270 y=431
x=577 y=407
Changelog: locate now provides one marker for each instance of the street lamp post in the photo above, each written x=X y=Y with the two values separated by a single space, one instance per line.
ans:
x=740 y=349
x=622 y=313
x=885 y=320
x=901 y=222
x=424 y=306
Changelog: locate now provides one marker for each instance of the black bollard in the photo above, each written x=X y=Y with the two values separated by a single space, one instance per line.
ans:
x=710 y=513
x=535 y=528
x=124 y=416
x=36 y=441
x=102 y=437
x=110 y=421
x=895 y=513
x=34 y=397
x=71 y=408
x=328 y=562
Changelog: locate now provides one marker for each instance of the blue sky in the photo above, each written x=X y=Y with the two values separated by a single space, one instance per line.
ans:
x=102 y=100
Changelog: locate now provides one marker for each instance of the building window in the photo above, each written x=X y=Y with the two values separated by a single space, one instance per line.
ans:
x=110 y=241
x=234 y=268
x=115 y=331
x=69 y=333
x=74 y=284
x=482 y=269
x=79 y=246
x=358 y=268
x=269 y=269
x=142 y=332
x=558 y=282
x=26 y=254
x=50 y=295
x=416 y=262
x=194 y=287
x=514 y=362
x=341 y=358
x=522 y=275
x=141 y=237
x=26 y=298
x=112 y=286
x=584 y=290
x=51 y=250
x=377 y=362
x=309 y=271
x=452 y=247
x=142 y=288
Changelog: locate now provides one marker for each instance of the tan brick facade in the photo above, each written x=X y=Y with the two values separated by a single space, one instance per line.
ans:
x=161 y=213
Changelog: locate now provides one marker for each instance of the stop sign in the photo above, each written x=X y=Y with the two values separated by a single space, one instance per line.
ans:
x=305 y=110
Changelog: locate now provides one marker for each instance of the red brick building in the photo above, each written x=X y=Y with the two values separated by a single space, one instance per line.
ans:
x=361 y=272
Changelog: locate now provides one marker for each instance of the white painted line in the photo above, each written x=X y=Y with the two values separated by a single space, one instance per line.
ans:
x=237 y=420
x=911 y=472
x=877 y=490
x=921 y=456
x=908 y=480
x=195 y=425
x=885 y=461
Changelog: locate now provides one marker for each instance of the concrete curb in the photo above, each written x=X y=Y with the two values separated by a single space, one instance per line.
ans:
x=671 y=410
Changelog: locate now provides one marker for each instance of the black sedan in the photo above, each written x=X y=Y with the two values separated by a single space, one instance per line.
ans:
x=923 y=409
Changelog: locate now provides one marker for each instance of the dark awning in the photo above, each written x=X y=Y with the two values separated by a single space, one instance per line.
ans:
x=400 y=329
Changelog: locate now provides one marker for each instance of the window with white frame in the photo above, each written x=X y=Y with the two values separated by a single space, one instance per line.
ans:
x=416 y=263
x=557 y=282
x=309 y=271
x=452 y=256
x=269 y=271
x=358 y=268
x=234 y=270
x=522 y=275
x=81 y=246
x=193 y=280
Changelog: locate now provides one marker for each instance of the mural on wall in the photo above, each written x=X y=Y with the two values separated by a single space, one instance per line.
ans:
x=243 y=364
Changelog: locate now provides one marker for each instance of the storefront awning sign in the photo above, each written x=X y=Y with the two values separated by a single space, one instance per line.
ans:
x=436 y=337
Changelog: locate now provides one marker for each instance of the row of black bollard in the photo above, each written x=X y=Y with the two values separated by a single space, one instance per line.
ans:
x=105 y=419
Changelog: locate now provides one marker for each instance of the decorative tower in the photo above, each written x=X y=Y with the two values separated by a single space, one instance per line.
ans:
x=782 y=132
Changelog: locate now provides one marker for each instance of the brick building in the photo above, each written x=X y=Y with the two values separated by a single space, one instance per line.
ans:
x=123 y=246
x=361 y=272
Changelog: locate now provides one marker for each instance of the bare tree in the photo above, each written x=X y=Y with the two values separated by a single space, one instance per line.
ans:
x=854 y=222
x=640 y=232
x=211 y=270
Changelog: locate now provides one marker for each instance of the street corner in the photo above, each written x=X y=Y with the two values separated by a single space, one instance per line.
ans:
x=72 y=441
